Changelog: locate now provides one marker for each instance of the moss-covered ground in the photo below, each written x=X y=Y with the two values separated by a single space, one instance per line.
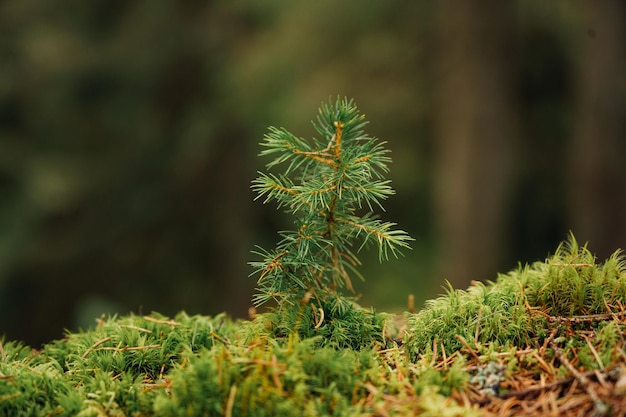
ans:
x=544 y=339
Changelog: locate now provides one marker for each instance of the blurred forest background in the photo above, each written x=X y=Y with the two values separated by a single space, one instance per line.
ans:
x=129 y=135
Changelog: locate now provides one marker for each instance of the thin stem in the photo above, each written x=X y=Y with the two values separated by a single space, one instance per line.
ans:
x=338 y=133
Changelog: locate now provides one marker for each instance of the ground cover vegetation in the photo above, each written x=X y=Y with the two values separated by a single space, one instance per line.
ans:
x=543 y=339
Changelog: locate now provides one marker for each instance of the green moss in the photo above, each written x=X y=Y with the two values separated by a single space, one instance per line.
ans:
x=515 y=309
x=345 y=363
x=203 y=366
x=275 y=380
x=351 y=327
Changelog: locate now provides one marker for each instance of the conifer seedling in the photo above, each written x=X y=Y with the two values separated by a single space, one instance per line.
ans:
x=331 y=185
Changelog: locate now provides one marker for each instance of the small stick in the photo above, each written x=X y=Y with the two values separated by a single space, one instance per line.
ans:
x=318 y=324
x=140 y=329
x=543 y=363
x=170 y=323
x=275 y=377
x=572 y=388
x=127 y=348
x=536 y=388
x=95 y=345
x=9 y=378
x=595 y=353
x=220 y=338
x=553 y=405
x=139 y=347
x=399 y=370
x=601 y=379
x=610 y=310
x=260 y=362
x=601 y=408
x=447 y=360
x=549 y=340
x=117 y=348
x=477 y=331
x=583 y=319
x=467 y=346
x=516 y=353
x=231 y=401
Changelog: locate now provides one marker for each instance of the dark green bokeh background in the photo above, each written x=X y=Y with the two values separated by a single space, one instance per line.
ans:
x=129 y=132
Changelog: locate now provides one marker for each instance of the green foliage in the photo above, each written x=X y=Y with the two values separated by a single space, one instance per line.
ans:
x=512 y=311
x=104 y=370
x=210 y=366
x=293 y=362
x=351 y=328
x=446 y=381
x=327 y=183
x=275 y=380
x=570 y=283
x=36 y=389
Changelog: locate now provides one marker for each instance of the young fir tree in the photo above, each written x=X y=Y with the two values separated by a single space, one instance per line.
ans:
x=331 y=185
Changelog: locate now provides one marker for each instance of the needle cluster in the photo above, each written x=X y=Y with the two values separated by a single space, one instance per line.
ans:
x=331 y=185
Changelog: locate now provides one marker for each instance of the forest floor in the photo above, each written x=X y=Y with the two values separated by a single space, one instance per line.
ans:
x=549 y=378
x=547 y=339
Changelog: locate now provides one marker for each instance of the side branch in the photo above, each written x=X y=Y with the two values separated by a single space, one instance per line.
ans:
x=370 y=231
x=387 y=239
x=319 y=156
x=281 y=188
x=324 y=156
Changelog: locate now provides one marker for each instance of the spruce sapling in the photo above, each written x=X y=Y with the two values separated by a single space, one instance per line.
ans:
x=331 y=185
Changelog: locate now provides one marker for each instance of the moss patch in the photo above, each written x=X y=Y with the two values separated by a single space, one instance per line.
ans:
x=545 y=338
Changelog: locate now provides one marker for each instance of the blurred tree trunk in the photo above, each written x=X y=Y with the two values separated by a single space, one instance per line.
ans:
x=474 y=137
x=597 y=165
